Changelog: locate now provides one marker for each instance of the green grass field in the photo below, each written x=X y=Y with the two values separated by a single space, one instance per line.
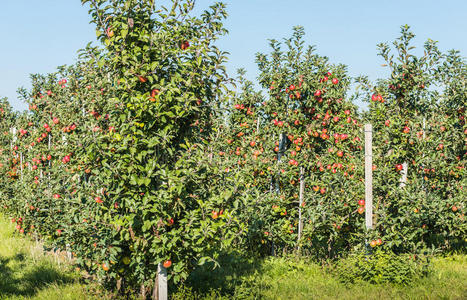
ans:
x=289 y=279
x=27 y=273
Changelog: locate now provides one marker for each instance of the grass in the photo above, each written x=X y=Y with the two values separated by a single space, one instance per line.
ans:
x=26 y=272
x=281 y=278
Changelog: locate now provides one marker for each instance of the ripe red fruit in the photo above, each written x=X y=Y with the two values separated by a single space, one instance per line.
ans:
x=154 y=93
x=374 y=97
x=56 y=196
x=184 y=45
x=98 y=199
x=55 y=120
x=167 y=263
x=361 y=210
x=252 y=143
x=406 y=129
x=373 y=244
x=215 y=214
x=59 y=232
x=170 y=222
x=109 y=32
x=105 y=267
x=49 y=93
x=399 y=167
x=317 y=93
x=335 y=81
x=387 y=122
x=379 y=242
x=454 y=208
x=292 y=87
x=361 y=202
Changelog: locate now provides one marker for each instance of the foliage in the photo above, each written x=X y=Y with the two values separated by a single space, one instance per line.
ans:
x=142 y=154
x=381 y=267
x=418 y=118
x=307 y=125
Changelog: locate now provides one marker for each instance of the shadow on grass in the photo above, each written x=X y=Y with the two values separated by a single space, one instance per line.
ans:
x=225 y=280
x=20 y=277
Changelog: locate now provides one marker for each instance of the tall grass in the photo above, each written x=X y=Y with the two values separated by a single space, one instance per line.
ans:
x=281 y=278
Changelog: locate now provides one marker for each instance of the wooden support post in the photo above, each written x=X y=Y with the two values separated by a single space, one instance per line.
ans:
x=424 y=128
x=300 y=204
x=160 y=291
x=68 y=253
x=404 y=172
x=21 y=164
x=50 y=162
x=368 y=176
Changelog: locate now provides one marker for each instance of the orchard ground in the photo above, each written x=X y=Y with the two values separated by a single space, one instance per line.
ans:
x=27 y=273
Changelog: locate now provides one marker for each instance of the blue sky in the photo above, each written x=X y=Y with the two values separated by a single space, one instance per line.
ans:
x=37 y=36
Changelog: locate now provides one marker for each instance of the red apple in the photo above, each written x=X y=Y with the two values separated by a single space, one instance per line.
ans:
x=167 y=263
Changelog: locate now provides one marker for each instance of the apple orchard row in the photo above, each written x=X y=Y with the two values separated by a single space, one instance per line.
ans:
x=143 y=153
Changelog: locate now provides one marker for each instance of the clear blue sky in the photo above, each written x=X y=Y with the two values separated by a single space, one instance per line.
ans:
x=37 y=36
